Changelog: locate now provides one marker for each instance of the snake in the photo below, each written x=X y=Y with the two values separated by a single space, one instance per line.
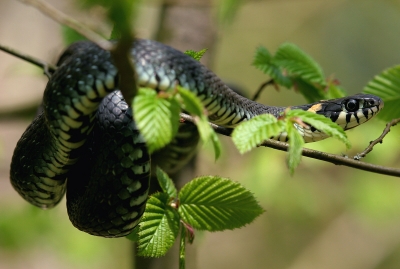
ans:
x=86 y=143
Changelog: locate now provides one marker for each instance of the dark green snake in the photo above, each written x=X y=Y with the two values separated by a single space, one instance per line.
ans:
x=87 y=144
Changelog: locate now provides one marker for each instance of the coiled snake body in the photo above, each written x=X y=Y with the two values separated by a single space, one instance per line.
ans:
x=86 y=143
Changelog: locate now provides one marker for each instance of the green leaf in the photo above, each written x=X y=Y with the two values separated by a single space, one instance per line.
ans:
x=207 y=134
x=159 y=227
x=216 y=144
x=191 y=103
x=321 y=123
x=386 y=85
x=166 y=183
x=313 y=94
x=309 y=91
x=296 y=143
x=263 y=61
x=335 y=91
x=156 y=117
x=298 y=63
x=197 y=55
x=215 y=204
x=250 y=133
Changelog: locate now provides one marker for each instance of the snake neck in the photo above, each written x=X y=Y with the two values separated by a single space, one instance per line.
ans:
x=162 y=67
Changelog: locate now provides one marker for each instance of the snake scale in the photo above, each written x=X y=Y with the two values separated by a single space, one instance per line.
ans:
x=86 y=143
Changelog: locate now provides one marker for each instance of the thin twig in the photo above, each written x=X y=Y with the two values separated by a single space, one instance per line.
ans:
x=261 y=88
x=378 y=140
x=47 y=67
x=63 y=19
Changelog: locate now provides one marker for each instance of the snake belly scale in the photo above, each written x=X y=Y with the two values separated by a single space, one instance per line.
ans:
x=86 y=142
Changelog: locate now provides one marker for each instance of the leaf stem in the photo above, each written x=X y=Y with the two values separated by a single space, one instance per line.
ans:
x=182 y=248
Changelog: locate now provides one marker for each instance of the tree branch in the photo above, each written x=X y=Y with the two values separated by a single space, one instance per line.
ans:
x=336 y=159
x=314 y=154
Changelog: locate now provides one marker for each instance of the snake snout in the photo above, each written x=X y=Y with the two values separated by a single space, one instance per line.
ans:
x=373 y=101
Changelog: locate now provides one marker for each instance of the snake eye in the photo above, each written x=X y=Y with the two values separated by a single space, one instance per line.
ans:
x=371 y=103
x=351 y=105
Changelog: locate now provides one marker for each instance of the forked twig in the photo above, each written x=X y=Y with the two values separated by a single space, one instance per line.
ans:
x=361 y=155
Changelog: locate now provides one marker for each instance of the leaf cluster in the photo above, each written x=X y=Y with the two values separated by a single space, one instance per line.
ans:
x=207 y=203
x=292 y=67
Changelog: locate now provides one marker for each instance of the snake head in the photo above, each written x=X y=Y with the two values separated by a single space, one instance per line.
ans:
x=350 y=111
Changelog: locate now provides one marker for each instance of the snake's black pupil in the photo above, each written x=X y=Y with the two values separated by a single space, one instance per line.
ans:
x=352 y=105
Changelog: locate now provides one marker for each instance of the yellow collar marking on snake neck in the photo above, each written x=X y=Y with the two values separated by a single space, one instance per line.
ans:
x=315 y=108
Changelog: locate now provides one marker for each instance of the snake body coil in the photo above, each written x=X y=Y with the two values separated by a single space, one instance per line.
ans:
x=86 y=135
